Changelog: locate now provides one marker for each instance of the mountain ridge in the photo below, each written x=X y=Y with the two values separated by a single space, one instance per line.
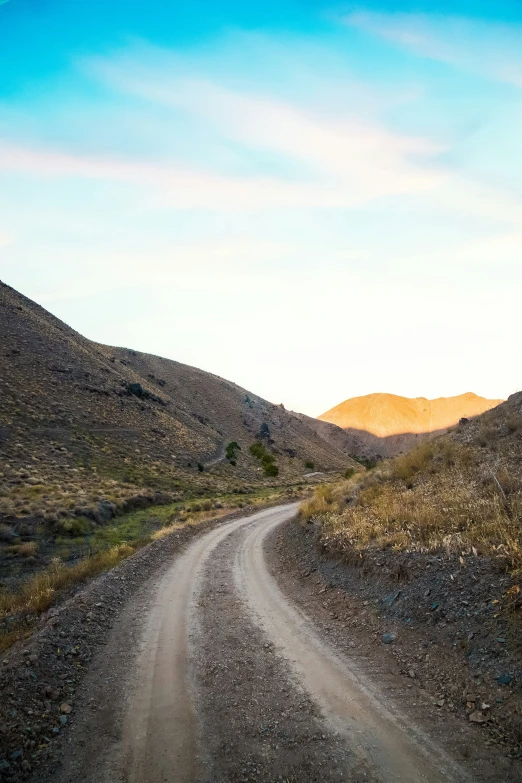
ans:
x=387 y=424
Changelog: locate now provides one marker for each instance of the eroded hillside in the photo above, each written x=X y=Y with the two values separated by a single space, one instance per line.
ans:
x=83 y=423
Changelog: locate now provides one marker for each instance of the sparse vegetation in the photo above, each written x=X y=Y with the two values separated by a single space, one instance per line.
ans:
x=309 y=464
x=40 y=591
x=267 y=459
x=77 y=558
x=449 y=494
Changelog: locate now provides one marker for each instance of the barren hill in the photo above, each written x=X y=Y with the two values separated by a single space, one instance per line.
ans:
x=387 y=424
x=81 y=421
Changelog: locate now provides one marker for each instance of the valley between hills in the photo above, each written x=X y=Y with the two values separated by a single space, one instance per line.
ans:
x=200 y=585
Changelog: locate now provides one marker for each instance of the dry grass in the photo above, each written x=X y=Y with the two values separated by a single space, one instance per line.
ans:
x=25 y=549
x=41 y=591
x=447 y=495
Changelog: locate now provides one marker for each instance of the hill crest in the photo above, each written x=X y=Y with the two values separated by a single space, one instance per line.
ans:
x=389 y=423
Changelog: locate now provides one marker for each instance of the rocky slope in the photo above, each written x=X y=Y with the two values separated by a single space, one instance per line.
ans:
x=344 y=440
x=383 y=425
x=82 y=422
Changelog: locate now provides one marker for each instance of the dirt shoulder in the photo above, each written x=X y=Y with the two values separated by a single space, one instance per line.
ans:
x=448 y=689
x=42 y=681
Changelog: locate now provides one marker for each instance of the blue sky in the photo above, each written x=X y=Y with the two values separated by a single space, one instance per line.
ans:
x=316 y=201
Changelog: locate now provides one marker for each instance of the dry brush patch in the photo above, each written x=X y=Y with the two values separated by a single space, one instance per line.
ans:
x=455 y=494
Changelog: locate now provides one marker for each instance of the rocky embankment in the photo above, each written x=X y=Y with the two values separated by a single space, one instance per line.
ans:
x=437 y=619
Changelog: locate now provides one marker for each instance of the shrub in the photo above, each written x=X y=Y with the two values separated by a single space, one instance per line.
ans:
x=200 y=467
x=257 y=450
x=267 y=459
x=349 y=473
x=309 y=465
x=231 y=450
x=368 y=463
x=74 y=527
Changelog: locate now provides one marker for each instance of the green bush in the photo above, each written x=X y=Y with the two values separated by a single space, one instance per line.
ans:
x=369 y=464
x=309 y=465
x=267 y=459
x=349 y=473
x=231 y=451
x=73 y=527
x=200 y=467
x=257 y=450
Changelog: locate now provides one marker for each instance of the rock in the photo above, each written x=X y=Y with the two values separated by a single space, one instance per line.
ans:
x=26 y=767
x=264 y=431
x=477 y=717
x=440 y=702
x=66 y=709
x=389 y=637
x=504 y=679
x=6 y=534
x=388 y=600
x=4 y=765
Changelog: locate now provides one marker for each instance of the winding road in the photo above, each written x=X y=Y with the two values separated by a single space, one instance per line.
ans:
x=233 y=682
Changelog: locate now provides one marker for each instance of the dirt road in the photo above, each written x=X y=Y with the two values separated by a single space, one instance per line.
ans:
x=227 y=680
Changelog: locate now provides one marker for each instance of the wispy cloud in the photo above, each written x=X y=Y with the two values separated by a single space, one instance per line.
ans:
x=352 y=158
x=488 y=49
x=185 y=188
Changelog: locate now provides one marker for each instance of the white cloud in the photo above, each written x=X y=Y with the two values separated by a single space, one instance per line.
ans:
x=489 y=49
x=185 y=188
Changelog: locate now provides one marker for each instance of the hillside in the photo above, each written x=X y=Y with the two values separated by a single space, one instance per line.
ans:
x=343 y=440
x=82 y=423
x=387 y=424
x=433 y=539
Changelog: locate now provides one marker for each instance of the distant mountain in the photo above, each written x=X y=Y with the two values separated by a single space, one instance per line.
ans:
x=387 y=424
x=77 y=418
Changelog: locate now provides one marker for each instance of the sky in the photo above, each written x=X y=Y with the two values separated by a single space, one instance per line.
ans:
x=316 y=201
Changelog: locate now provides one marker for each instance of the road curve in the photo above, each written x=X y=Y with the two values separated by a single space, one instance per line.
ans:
x=160 y=733
x=391 y=746
x=162 y=741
